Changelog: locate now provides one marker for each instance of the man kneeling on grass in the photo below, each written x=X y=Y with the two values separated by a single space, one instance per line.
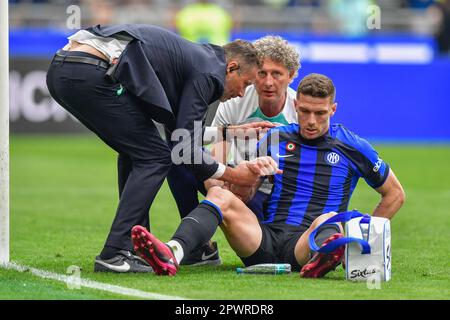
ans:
x=315 y=168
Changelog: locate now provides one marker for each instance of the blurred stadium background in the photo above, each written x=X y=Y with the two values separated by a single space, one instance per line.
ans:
x=387 y=74
x=392 y=81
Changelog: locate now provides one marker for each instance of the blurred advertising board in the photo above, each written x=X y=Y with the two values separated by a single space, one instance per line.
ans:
x=384 y=83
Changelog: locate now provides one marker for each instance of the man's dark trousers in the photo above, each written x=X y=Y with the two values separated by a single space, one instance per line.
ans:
x=118 y=119
x=185 y=186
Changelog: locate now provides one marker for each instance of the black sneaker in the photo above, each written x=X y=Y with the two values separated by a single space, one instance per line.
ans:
x=123 y=262
x=208 y=254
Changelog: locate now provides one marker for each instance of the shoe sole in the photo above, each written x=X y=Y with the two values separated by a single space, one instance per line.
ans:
x=145 y=245
x=322 y=263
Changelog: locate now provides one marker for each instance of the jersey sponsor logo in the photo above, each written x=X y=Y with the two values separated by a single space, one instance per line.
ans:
x=378 y=165
x=332 y=158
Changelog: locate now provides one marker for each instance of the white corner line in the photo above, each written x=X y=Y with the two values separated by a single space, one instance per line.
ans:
x=89 y=283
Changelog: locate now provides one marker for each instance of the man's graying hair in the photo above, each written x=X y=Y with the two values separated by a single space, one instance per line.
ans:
x=244 y=52
x=279 y=50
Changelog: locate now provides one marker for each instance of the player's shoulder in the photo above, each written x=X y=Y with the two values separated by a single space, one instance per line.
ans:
x=343 y=135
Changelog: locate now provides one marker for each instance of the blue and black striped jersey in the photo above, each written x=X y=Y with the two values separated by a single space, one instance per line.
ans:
x=319 y=175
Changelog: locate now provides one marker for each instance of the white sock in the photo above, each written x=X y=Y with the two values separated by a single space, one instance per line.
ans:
x=177 y=250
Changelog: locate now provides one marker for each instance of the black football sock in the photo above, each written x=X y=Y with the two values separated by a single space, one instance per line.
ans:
x=198 y=226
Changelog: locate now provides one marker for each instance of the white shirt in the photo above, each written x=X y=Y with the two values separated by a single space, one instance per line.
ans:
x=246 y=110
x=110 y=47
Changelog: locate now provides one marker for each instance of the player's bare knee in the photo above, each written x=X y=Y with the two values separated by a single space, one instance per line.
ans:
x=220 y=197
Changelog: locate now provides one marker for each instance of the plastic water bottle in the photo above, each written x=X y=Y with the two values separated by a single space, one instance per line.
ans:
x=266 y=268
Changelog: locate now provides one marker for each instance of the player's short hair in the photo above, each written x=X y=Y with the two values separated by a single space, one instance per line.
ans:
x=279 y=50
x=318 y=86
x=244 y=52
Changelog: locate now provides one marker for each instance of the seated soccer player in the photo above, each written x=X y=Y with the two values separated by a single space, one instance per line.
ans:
x=316 y=167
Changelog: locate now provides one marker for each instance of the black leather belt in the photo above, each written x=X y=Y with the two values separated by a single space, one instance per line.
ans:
x=96 y=62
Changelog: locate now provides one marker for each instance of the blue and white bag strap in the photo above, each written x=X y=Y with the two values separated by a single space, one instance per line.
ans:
x=341 y=217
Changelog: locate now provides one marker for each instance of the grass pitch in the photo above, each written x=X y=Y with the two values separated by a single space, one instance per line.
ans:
x=64 y=196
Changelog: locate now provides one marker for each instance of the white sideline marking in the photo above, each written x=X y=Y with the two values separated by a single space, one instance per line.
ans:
x=89 y=283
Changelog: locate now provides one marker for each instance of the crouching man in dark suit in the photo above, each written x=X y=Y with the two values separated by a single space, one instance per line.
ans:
x=116 y=80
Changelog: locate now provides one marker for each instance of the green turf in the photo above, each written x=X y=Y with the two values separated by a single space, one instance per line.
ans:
x=25 y=286
x=63 y=199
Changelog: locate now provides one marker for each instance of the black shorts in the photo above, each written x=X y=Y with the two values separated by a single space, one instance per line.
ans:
x=277 y=246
